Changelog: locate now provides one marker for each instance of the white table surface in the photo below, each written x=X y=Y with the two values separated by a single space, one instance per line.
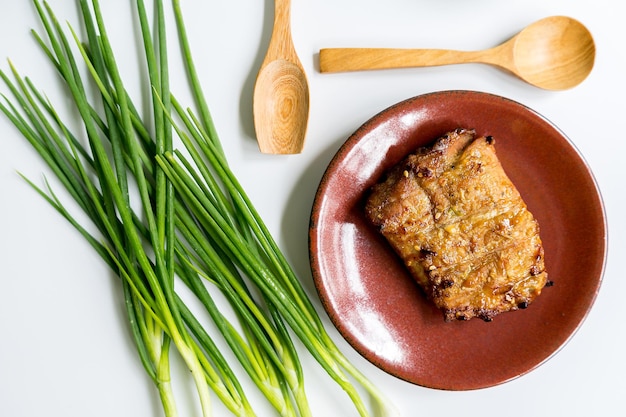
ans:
x=64 y=346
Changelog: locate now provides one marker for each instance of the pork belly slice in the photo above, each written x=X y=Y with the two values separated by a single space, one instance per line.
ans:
x=461 y=227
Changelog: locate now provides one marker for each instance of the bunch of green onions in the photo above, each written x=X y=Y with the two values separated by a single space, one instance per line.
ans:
x=194 y=227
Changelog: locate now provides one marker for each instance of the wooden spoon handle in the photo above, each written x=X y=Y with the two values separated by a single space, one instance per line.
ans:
x=356 y=59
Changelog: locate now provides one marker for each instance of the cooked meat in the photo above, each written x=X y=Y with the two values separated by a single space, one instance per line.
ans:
x=461 y=228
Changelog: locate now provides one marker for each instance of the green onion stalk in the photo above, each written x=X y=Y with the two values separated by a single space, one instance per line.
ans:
x=167 y=217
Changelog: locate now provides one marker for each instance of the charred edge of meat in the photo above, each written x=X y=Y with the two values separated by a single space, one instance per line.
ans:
x=426 y=253
x=464 y=315
x=447 y=283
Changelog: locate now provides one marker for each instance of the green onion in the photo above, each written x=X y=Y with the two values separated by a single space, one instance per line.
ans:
x=194 y=225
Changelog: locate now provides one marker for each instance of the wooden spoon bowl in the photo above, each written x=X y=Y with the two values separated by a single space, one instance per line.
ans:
x=281 y=103
x=555 y=53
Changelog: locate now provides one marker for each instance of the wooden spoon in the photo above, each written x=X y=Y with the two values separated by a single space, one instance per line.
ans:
x=555 y=53
x=281 y=92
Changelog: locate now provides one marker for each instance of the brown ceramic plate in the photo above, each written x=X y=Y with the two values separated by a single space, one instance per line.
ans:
x=375 y=304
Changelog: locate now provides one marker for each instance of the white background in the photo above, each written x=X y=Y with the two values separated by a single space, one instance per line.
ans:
x=64 y=345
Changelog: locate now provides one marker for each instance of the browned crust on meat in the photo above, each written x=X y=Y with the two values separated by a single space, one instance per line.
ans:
x=461 y=227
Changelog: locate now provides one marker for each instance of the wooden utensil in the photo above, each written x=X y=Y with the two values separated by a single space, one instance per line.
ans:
x=554 y=53
x=281 y=92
